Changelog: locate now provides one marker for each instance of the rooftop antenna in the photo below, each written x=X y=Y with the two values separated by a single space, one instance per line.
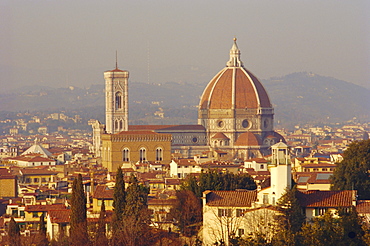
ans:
x=116 y=61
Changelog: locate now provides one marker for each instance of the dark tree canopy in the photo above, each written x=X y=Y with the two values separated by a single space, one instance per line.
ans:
x=290 y=219
x=216 y=180
x=119 y=199
x=14 y=232
x=78 y=230
x=187 y=212
x=353 y=171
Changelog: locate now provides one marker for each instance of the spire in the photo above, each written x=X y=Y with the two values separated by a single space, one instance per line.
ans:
x=116 y=61
x=234 y=56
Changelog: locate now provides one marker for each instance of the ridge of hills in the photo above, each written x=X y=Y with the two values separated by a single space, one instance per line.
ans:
x=297 y=98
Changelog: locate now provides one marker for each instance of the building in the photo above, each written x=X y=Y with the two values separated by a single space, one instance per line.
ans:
x=235 y=118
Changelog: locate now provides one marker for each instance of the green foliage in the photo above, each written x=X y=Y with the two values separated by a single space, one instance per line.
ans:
x=342 y=230
x=119 y=199
x=187 y=212
x=100 y=234
x=353 y=171
x=216 y=180
x=136 y=198
x=13 y=232
x=290 y=219
x=43 y=241
x=78 y=230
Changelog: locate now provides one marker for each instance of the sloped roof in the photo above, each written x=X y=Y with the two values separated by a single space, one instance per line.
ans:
x=220 y=135
x=60 y=216
x=363 y=206
x=37 y=149
x=103 y=192
x=243 y=198
x=41 y=208
x=325 y=199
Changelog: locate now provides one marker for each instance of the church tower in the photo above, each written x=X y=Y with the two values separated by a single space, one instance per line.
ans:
x=116 y=100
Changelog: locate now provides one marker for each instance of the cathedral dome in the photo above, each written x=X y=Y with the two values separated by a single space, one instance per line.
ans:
x=234 y=87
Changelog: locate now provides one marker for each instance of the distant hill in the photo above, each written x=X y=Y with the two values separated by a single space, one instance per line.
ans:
x=297 y=98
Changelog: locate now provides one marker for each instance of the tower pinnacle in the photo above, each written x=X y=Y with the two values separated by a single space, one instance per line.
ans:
x=234 y=56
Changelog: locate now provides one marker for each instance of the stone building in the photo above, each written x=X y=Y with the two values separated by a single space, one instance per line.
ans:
x=235 y=117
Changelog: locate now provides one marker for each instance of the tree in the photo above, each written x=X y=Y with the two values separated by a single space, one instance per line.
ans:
x=136 y=216
x=216 y=180
x=119 y=199
x=14 y=233
x=100 y=234
x=188 y=212
x=290 y=219
x=353 y=171
x=43 y=241
x=78 y=230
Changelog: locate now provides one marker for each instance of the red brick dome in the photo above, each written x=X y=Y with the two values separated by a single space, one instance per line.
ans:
x=234 y=87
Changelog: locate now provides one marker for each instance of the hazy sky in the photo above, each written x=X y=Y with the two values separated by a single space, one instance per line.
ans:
x=72 y=42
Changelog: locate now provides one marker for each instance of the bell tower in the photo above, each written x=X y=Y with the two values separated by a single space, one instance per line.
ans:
x=116 y=100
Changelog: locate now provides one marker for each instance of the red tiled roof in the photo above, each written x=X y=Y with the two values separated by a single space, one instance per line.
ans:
x=103 y=192
x=257 y=160
x=138 y=133
x=40 y=208
x=220 y=135
x=363 y=206
x=36 y=171
x=161 y=201
x=247 y=139
x=60 y=216
x=325 y=199
x=231 y=198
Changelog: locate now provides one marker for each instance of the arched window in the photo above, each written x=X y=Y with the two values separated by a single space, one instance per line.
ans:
x=142 y=154
x=159 y=154
x=116 y=125
x=118 y=100
x=126 y=155
x=120 y=125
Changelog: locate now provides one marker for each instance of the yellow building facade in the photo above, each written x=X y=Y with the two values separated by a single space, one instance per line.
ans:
x=130 y=147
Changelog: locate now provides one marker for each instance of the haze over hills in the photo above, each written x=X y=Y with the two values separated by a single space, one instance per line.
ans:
x=297 y=98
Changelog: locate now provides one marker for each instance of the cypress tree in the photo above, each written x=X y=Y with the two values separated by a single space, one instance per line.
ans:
x=78 y=220
x=136 y=217
x=119 y=199
x=14 y=232
x=100 y=235
x=43 y=241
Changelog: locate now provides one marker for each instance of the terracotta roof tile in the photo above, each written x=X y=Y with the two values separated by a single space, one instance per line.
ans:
x=39 y=208
x=60 y=216
x=325 y=199
x=363 y=206
x=231 y=198
x=103 y=192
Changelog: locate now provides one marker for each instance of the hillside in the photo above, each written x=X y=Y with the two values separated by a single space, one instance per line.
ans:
x=297 y=98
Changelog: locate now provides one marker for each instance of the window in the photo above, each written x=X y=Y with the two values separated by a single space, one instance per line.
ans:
x=120 y=125
x=126 y=154
x=320 y=211
x=142 y=154
x=35 y=214
x=240 y=212
x=261 y=167
x=43 y=180
x=159 y=154
x=118 y=100
x=15 y=212
x=36 y=180
x=240 y=232
x=224 y=212
x=265 y=198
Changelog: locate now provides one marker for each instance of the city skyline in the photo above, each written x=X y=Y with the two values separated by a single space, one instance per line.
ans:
x=58 y=44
